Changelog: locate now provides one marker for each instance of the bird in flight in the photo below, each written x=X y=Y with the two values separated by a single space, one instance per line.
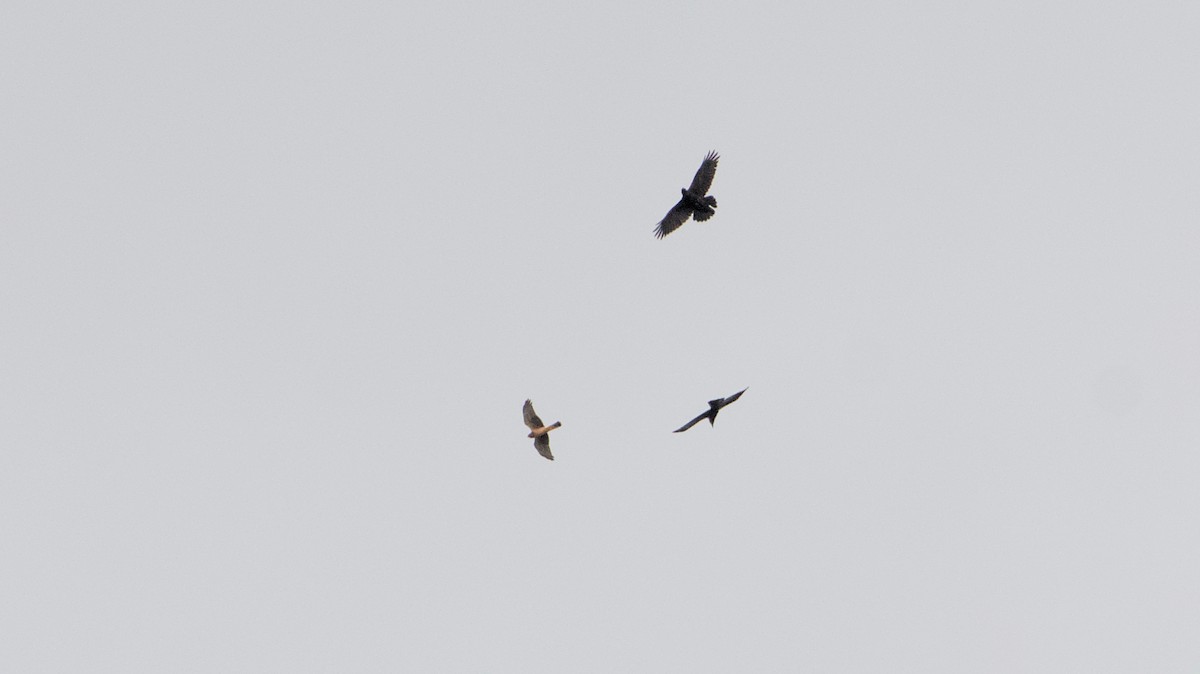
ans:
x=539 y=431
x=714 y=406
x=694 y=202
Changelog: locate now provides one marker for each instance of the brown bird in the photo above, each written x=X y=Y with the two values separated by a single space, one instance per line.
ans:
x=693 y=203
x=714 y=406
x=539 y=431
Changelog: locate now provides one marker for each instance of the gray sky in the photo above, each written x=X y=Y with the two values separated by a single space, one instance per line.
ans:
x=276 y=280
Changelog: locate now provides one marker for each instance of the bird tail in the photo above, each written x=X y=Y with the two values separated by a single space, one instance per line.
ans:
x=555 y=424
x=711 y=201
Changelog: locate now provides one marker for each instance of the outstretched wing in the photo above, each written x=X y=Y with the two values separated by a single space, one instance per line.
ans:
x=673 y=220
x=532 y=420
x=734 y=397
x=704 y=176
x=542 y=444
x=690 y=423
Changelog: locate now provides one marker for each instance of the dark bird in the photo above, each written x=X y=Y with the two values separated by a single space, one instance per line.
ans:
x=714 y=406
x=694 y=203
x=539 y=431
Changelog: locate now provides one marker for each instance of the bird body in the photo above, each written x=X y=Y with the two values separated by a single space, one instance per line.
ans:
x=694 y=202
x=714 y=406
x=539 y=431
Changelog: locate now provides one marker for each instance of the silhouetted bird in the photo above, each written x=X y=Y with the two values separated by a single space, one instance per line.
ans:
x=714 y=406
x=539 y=431
x=694 y=203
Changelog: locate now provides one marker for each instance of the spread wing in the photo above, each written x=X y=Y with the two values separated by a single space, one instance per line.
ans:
x=533 y=422
x=704 y=176
x=542 y=444
x=690 y=423
x=674 y=218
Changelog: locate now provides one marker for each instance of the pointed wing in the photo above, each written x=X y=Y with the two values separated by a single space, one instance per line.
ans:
x=531 y=418
x=734 y=397
x=674 y=219
x=542 y=444
x=690 y=423
x=705 y=174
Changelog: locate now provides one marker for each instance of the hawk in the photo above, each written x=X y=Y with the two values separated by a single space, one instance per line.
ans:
x=539 y=431
x=714 y=406
x=693 y=203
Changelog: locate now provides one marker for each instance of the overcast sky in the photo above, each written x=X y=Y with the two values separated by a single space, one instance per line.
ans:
x=276 y=279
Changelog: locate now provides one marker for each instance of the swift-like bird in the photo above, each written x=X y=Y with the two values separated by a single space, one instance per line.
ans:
x=714 y=406
x=694 y=203
x=539 y=431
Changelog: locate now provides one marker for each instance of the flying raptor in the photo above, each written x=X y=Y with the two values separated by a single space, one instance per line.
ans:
x=539 y=431
x=694 y=202
x=714 y=406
